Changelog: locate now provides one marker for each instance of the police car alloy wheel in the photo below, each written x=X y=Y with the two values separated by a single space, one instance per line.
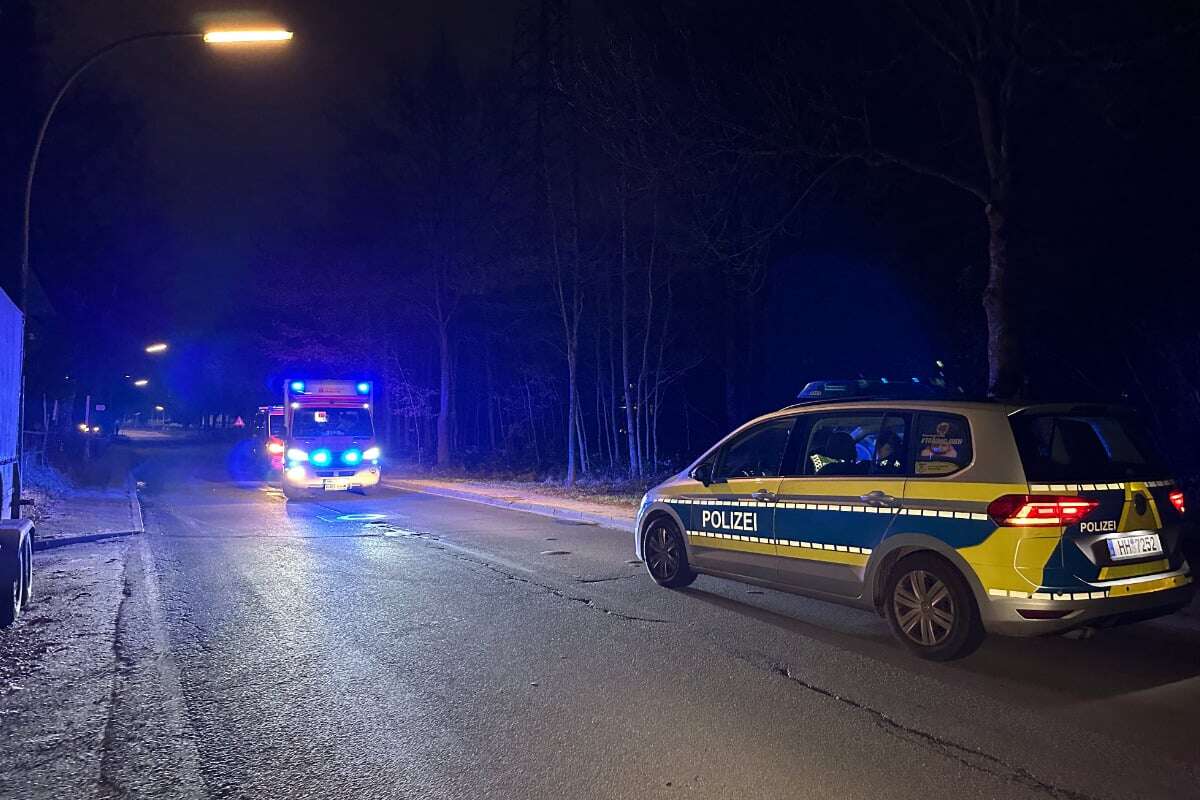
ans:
x=931 y=610
x=666 y=557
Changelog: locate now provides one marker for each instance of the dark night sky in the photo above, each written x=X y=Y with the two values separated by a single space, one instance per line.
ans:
x=239 y=151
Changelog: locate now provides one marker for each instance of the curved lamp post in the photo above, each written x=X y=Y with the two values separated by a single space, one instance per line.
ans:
x=231 y=37
x=215 y=37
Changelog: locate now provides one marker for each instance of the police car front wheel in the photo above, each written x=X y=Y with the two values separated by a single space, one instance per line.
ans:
x=666 y=556
x=930 y=608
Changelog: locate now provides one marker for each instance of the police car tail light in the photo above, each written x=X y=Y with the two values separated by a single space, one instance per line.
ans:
x=1177 y=500
x=1039 y=510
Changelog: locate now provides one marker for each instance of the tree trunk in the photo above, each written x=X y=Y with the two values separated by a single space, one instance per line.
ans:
x=443 y=419
x=1004 y=367
x=635 y=466
x=490 y=398
x=537 y=456
x=572 y=415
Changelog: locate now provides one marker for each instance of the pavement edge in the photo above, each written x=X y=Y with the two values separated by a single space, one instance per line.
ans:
x=621 y=523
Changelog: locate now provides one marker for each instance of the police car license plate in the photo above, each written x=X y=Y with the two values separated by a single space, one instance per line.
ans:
x=336 y=484
x=1140 y=546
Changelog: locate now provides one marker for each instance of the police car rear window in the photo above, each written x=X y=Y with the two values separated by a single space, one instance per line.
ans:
x=943 y=444
x=1083 y=447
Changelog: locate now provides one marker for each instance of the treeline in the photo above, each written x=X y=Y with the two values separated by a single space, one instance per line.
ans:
x=573 y=262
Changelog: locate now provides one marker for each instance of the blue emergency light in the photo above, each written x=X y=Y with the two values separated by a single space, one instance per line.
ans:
x=297 y=387
x=363 y=387
x=351 y=457
x=320 y=457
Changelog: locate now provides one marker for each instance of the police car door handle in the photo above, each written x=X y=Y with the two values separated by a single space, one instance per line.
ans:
x=763 y=496
x=878 y=498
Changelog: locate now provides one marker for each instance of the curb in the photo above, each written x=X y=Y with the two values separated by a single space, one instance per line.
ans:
x=135 y=519
x=135 y=505
x=621 y=523
x=64 y=541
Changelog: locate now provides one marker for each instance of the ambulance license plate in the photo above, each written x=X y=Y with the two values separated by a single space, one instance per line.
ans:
x=336 y=484
x=1140 y=546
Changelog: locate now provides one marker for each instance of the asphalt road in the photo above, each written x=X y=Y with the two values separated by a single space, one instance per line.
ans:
x=409 y=646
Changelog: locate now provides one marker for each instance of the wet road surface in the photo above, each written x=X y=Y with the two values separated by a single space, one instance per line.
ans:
x=405 y=645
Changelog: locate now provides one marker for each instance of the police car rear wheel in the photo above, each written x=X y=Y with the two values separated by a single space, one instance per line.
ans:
x=666 y=557
x=930 y=608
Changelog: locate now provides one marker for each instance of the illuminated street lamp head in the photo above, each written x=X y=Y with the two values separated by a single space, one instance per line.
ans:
x=140 y=382
x=159 y=408
x=248 y=36
x=157 y=347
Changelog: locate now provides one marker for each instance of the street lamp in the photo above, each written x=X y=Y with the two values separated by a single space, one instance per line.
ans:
x=211 y=37
x=263 y=36
x=141 y=383
x=157 y=347
x=247 y=36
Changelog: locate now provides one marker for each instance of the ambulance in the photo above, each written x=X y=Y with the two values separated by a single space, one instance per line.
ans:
x=330 y=440
x=270 y=432
x=951 y=519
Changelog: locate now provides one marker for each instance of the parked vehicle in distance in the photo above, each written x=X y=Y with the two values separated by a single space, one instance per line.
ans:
x=949 y=518
x=269 y=436
x=330 y=443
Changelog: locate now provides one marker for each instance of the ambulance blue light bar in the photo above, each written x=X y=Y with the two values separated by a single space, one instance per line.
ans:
x=297 y=387
x=363 y=387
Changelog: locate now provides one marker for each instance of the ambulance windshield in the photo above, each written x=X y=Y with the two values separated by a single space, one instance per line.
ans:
x=313 y=422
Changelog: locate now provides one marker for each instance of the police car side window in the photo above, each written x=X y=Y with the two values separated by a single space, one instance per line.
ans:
x=942 y=444
x=890 y=446
x=757 y=453
x=861 y=443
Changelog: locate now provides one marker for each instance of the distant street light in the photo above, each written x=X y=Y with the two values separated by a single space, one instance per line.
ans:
x=157 y=347
x=141 y=382
x=159 y=408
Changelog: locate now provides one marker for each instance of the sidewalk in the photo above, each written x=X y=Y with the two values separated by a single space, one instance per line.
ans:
x=618 y=514
x=66 y=514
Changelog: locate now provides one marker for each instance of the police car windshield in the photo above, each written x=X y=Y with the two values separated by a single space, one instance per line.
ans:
x=314 y=422
x=1084 y=447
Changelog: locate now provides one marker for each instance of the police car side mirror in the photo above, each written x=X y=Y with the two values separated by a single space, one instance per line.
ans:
x=703 y=473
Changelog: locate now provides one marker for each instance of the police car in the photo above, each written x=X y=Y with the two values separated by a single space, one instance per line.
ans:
x=949 y=518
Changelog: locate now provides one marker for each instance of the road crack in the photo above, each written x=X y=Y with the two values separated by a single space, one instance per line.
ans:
x=547 y=588
x=970 y=757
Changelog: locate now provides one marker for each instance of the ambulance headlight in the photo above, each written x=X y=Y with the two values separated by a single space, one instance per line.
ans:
x=320 y=457
x=351 y=457
x=296 y=454
x=371 y=454
x=295 y=473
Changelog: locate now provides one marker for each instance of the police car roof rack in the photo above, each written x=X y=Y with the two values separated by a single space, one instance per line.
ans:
x=856 y=389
